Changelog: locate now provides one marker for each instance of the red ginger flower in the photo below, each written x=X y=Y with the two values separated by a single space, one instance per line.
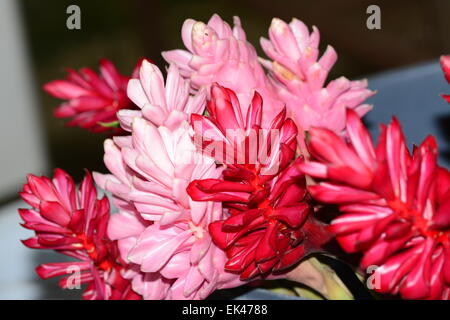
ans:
x=93 y=100
x=396 y=206
x=266 y=199
x=445 y=64
x=74 y=224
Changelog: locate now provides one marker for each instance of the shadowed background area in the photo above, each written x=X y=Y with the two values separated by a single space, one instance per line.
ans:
x=123 y=31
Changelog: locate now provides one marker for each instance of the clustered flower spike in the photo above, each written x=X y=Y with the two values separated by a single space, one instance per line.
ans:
x=74 y=223
x=92 y=99
x=395 y=205
x=445 y=64
x=262 y=188
x=219 y=53
x=160 y=229
x=298 y=76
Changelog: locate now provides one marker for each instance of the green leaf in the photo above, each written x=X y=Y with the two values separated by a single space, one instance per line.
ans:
x=113 y=124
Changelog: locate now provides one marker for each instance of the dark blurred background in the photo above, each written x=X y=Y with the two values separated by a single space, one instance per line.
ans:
x=123 y=31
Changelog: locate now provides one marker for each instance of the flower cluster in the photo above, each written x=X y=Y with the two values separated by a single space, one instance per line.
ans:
x=395 y=206
x=74 y=223
x=261 y=187
x=92 y=100
x=160 y=229
x=219 y=168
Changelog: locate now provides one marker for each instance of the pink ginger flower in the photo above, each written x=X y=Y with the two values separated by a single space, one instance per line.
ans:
x=445 y=64
x=161 y=103
x=395 y=206
x=92 y=100
x=298 y=76
x=74 y=223
x=218 y=53
x=127 y=155
x=160 y=229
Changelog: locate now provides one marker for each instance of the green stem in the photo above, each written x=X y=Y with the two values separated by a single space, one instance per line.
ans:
x=321 y=278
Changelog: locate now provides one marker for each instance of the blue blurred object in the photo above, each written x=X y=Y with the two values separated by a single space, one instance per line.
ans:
x=412 y=94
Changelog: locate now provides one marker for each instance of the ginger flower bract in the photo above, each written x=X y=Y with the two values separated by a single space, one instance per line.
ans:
x=395 y=206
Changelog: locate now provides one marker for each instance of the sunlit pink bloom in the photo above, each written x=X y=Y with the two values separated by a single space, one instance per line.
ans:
x=268 y=226
x=74 y=223
x=299 y=77
x=92 y=100
x=396 y=206
x=218 y=53
x=160 y=229
x=161 y=102
x=445 y=64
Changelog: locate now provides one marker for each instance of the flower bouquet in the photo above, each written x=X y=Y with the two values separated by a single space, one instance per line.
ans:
x=233 y=169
